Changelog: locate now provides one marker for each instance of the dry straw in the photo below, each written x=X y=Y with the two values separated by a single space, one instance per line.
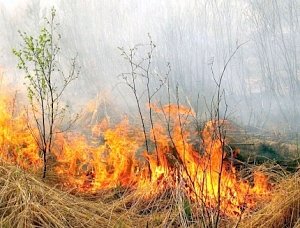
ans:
x=26 y=201
x=284 y=208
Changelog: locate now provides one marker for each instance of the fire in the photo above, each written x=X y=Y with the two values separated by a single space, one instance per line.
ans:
x=115 y=155
x=17 y=144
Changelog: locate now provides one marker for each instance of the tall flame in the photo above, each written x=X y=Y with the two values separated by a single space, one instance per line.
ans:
x=113 y=156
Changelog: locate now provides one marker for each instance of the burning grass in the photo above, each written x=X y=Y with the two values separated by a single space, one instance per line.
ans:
x=115 y=181
x=25 y=201
x=284 y=208
x=120 y=160
x=17 y=145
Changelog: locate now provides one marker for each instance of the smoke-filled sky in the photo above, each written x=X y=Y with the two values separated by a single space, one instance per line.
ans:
x=8 y=2
x=261 y=81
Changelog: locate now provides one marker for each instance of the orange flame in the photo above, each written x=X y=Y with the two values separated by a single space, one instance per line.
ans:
x=116 y=156
x=17 y=145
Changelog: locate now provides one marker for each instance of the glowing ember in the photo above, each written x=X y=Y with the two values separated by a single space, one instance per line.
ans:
x=116 y=156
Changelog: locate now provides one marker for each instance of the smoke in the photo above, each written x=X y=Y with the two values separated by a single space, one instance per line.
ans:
x=197 y=38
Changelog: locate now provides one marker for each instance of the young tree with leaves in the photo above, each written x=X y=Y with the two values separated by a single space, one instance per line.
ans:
x=46 y=82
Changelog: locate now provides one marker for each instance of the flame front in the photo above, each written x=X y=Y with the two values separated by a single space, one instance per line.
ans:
x=111 y=156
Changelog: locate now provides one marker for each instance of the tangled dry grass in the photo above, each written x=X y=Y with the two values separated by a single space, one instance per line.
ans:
x=27 y=201
x=284 y=208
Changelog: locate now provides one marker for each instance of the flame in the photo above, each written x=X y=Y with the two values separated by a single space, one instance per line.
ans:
x=17 y=144
x=111 y=156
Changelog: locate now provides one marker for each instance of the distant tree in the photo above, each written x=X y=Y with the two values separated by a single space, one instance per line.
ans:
x=46 y=82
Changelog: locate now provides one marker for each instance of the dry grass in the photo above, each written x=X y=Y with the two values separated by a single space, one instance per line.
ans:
x=25 y=201
x=284 y=208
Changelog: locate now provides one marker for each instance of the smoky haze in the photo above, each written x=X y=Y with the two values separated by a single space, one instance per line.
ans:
x=195 y=36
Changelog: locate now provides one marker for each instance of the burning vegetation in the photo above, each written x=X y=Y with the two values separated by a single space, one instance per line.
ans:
x=193 y=167
x=167 y=164
x=205 y=174
x=114 y=156
x=109 y=163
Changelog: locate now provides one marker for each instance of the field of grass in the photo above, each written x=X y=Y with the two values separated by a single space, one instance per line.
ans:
x=28 y=201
